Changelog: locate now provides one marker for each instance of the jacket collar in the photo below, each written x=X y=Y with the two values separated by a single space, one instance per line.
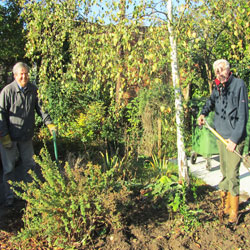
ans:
x=229 y=79
x=222 y=88
x=21 y=89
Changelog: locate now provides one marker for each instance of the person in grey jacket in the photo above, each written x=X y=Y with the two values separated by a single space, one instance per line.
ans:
x=229 y=100
x=18 y=103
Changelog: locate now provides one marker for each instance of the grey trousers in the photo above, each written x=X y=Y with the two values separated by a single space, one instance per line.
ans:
x=229 y=166
x=9 y=157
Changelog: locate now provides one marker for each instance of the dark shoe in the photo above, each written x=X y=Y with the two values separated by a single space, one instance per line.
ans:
x=231 y=226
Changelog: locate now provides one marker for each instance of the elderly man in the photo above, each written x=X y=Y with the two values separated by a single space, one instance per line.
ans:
x=18 y=103
x=229 y=100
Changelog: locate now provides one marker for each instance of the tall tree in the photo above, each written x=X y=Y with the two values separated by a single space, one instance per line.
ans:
x=182 y=159
x=213 y=29
x=12 y=41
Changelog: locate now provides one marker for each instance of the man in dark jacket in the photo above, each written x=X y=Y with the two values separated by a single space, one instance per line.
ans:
x=18 y=103
x=229 y=100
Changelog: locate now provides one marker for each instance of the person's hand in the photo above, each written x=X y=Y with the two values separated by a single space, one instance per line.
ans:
x=231 y=145
x=201 y=120
x=52 y=128
x=6 y=141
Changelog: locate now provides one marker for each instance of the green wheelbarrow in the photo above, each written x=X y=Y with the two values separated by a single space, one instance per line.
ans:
x=203 y=141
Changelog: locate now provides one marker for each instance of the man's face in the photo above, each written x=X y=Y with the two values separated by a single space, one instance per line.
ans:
x=22 y=77
x=222 y=73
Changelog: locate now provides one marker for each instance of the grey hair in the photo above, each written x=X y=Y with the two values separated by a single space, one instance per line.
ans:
x=221 y=61
x=20 y=65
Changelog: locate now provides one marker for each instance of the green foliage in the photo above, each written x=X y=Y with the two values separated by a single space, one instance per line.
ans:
x=76 y=116
x=12 y=39
x=153 y=105
x=113 y=127
x=72 y=205
x=166 y=191
x=111 y=82
x=65 y=100
x=110 y=162
x=134 y=130
x=81 y=62
x=212 y=30
x=11 y=29
x=159 y=165
x=88 y=123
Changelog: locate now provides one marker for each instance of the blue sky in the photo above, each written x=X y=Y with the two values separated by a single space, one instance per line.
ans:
x=99 y=11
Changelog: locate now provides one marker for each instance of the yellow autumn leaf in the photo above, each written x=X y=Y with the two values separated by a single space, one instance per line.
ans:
x=154 y=67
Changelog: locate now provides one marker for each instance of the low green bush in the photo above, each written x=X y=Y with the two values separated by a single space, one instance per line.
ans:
x=72 y=206
x=69 y=207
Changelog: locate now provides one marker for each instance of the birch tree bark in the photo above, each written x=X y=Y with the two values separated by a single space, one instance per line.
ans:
x=182 y=159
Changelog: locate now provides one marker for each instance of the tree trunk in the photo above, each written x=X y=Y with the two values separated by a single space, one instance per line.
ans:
x=209 y=74
x=182 y=159
x=159 y=135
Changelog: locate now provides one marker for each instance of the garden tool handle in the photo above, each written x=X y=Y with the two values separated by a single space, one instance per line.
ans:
x=215 y=133
x=221 y=138
x=55 y=146
x=245 y=159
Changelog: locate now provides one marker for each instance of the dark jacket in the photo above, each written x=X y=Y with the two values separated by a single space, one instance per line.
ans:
x=230 y=104
x=17 y=111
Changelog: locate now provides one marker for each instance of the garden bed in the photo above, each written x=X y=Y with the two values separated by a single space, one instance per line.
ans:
x=148 y=227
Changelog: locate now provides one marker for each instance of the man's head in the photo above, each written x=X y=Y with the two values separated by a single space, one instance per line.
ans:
x=21 y=73
x=222 y=70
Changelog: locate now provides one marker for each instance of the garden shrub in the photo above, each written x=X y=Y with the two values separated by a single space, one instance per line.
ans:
x=69 y=207
x=72 y=207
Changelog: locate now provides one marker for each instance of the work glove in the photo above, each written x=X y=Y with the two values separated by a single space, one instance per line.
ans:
x=6 y=141
x=52 y=128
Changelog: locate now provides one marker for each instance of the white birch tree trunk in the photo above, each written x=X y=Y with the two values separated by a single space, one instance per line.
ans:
x=182 y=159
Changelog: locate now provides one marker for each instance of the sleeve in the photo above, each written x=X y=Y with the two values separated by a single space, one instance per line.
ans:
x=209 y=105
x=242 y=118
x=4 y=107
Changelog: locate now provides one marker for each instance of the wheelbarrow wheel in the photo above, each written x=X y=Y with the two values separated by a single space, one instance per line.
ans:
x=193 y=158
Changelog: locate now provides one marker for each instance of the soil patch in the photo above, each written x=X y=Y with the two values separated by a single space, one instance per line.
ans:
x=151 y=228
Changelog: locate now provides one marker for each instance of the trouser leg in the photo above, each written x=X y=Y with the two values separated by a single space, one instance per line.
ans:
x=9 y=157
x=230 y=164
x=26 y=154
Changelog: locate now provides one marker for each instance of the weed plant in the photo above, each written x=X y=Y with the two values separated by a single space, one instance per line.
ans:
x=166 y=191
